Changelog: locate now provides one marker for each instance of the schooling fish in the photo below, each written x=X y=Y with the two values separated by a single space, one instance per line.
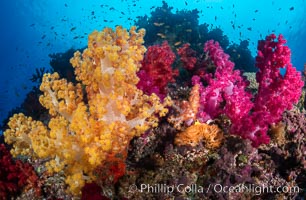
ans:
x=158 y=24
x=292 y=8
x=73 y=28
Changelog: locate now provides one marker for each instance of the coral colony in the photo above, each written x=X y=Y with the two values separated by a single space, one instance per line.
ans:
x=160 y=122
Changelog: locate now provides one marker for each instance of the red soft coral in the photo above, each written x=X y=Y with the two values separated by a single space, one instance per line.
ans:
x=156 y=71
x=15 y=175
x=187 y=56
x=92 y=191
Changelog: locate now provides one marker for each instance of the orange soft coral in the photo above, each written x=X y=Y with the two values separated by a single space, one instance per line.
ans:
x=193 y=135
x=81 y=135
x=187 y=109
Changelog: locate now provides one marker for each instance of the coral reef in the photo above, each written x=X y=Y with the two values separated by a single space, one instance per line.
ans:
x=177 y=121
x=182 y=27
x=241 y=56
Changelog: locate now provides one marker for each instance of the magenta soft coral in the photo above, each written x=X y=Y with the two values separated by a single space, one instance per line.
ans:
x=156 y=71
x=15 y=175
x=276 y=92
x=226 y=94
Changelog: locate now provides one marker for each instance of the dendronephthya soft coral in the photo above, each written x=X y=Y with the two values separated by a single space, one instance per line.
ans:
x=83 y=133
x=276 y=92
x=226 y=91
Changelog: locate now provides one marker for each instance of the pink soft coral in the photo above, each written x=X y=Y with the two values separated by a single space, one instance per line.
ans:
x=276 y=93
x=226 y=94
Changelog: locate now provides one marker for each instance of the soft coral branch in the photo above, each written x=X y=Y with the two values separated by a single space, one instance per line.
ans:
x=226 y=91
x=276 y=93
x=156 y=71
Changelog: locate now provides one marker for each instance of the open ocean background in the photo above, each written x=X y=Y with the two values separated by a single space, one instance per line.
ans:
x=33 y=29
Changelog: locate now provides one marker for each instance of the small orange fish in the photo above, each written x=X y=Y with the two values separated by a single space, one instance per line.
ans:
x=177 y=43
x=161 y=35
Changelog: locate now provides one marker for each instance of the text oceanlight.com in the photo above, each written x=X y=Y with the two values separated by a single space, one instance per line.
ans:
x=217 y=188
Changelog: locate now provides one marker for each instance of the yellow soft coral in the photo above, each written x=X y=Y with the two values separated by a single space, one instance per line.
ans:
x=211 y=135
x=59 y=96
x=83 y=135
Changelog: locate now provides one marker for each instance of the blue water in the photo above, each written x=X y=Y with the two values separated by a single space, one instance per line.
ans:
x=33 y=29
